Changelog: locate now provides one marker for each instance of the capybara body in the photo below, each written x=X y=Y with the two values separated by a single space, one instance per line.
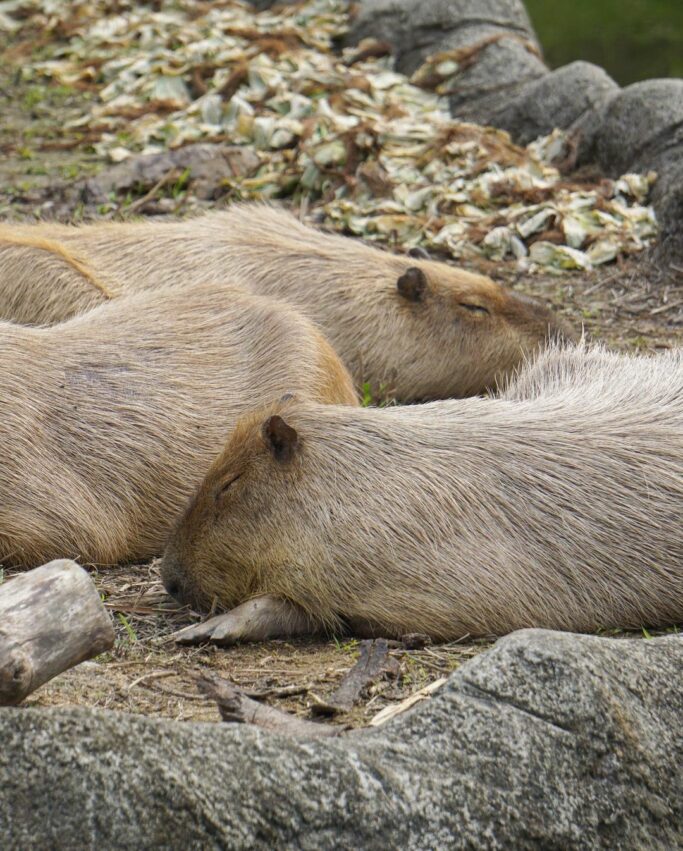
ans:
x=557 y=505
x=111 y=419
x=43 y=282
x=412 y=328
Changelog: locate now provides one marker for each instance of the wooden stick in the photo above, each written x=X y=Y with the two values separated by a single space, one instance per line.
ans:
x=392 y=711
x=51 y=619
x=373 y=663
x=236 y=707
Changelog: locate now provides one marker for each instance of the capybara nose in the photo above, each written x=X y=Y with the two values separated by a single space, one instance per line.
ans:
x=173 y=587
x=172 y=579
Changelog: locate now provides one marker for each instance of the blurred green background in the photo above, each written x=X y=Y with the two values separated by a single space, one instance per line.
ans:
x=631 y=39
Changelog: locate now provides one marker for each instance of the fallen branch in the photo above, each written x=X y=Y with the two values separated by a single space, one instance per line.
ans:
x=237 y=708
x=374 y=662
x=51 y=619
x=170 y=176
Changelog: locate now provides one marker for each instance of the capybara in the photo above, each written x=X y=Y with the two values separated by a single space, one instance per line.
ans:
x=412 y=328
x=43 y=282
x=558 y=505
x=111 y=419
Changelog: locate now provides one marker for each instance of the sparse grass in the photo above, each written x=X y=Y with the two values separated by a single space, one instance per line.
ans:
x=132 y=637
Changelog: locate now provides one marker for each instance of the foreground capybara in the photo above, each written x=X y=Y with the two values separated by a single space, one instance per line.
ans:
x=414 y=329
x=111 y=420
x=558 y=505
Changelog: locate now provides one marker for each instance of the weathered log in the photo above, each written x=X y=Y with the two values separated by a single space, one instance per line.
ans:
x=51 y=619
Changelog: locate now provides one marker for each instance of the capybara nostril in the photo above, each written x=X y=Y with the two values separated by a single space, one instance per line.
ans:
x=172 y=587
x=171 y=578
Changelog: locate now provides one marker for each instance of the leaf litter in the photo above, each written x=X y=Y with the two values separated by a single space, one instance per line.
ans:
x=363 y=149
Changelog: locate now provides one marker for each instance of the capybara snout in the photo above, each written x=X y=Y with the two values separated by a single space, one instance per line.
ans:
x=174 y=579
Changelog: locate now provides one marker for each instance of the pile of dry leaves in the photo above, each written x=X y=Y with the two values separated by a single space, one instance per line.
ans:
x=371 y=151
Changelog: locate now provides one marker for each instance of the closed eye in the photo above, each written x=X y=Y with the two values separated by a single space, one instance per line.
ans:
x=227 y=486
x=474 y=308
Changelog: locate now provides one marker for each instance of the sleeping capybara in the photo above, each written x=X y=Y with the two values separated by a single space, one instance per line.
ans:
x=412 y=328
x=557 y=505
x=111 y=419
x=43 y=282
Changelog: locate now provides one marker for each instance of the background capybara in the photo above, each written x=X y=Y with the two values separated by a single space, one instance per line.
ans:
x=558 y=505
x=414 y=329
x=42 y=282
x=111 y=420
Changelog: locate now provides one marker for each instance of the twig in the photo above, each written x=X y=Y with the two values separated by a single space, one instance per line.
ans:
x=285 y=691
x=374 y=662
x=185 y=695
x=663 y=309
x=237 y=708
x=172 y=174
x=389 y=712
x=154 y=675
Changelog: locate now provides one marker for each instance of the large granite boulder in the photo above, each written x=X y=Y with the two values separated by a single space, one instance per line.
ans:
x=572 y=97
x=549 y=740
x=641 y=126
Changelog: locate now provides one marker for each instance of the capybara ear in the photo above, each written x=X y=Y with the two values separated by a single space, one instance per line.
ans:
x=419 y=253
x=412 y=284
x=282 y=439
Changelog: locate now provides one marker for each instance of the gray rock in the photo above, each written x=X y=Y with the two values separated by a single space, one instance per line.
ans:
x=668 y=200
x=641 y=129
x=209 y=166
x=417 y=28
x=487 y=91
x=571 y=98
x=643 y=124
x=549 y=740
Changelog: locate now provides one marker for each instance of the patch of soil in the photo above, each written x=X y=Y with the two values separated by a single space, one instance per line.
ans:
x=147 y=673
x=36 y=153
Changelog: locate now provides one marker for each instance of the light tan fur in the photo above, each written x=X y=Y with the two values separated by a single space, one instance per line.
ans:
x=456 y=335
x=42 y=279
x=111 y=420
x=557 y=505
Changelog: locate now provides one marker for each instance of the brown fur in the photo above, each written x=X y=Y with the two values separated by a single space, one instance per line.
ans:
x=557 y=505
x=414 y=329
x=111 y=419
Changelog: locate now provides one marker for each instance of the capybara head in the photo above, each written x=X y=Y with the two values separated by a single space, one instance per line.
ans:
x=477 y=332
x=234 y=525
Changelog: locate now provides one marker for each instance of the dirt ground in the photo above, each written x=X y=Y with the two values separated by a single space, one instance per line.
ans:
x=630 y=305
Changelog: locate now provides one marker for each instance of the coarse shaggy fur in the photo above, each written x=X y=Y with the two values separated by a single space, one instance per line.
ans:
x=558 y=504
x=110 y=420
x=412 y=328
